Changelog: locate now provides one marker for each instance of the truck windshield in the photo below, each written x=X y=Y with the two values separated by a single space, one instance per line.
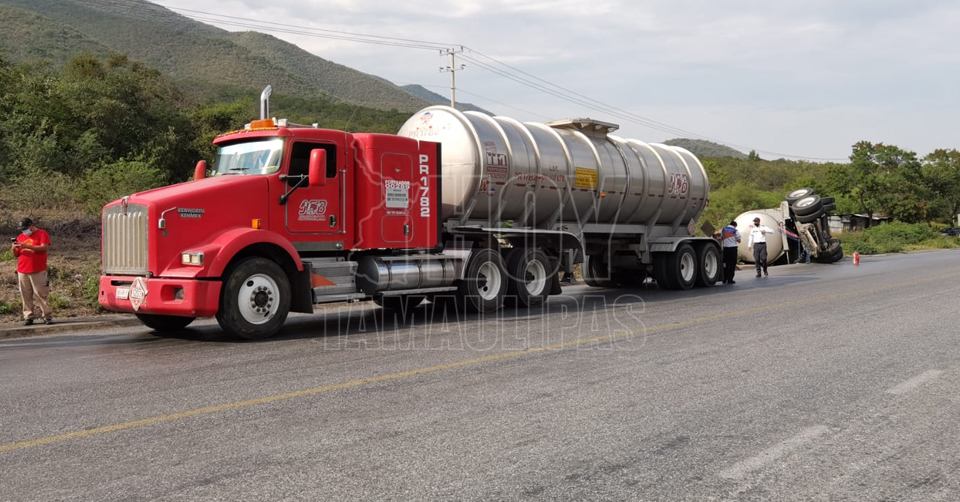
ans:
x=250 y=157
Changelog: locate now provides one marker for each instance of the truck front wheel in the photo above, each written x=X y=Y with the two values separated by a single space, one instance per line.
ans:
x=255 y=299
x=164 y=323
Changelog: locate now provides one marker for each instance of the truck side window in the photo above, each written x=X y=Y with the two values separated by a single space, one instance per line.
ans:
x=300 y=160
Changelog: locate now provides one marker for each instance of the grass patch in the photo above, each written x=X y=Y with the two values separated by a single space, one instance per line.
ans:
x=9 y=308
x=896 y=237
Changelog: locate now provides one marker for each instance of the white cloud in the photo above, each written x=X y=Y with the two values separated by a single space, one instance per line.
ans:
x=800 y=77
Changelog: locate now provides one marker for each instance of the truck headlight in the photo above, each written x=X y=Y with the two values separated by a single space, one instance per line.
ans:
x=192 y=258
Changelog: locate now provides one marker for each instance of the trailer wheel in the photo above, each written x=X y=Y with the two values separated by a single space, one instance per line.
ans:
x=530 y=276
x=255 y=299
x=660 y=267
x=708 y=265
x=832 y=254
x=402 y=304
x=807 y=205
x=485 y=282
x=798 y=194
x=812 y=217
x=596 y=275
x=682 y=267
x=164 y=323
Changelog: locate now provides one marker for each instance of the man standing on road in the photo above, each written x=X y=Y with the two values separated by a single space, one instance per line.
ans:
x=30 y=249
x=758 y=244
x=731 y=240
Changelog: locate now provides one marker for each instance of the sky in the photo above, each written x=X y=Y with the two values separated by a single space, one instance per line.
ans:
x=788 y=78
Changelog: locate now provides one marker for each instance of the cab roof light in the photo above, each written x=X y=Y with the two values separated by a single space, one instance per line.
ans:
x=262 y=124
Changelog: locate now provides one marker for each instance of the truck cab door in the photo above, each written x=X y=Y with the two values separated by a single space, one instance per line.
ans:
x=315 y=210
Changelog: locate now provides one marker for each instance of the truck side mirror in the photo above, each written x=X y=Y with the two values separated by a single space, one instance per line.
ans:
x=200 y=172
x=318 y=167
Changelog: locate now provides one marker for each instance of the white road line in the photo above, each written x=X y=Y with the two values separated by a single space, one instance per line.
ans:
x=738 y=470
x=914 y=382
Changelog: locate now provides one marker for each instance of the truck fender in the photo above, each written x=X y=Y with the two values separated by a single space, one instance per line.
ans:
x=231 y=242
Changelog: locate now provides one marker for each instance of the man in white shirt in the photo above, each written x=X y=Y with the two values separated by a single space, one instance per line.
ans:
x=758 y=244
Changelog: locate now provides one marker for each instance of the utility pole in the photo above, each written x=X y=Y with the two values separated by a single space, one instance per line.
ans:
x=453 y=69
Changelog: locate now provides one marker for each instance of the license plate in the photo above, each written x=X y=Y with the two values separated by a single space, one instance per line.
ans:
x=123 y=293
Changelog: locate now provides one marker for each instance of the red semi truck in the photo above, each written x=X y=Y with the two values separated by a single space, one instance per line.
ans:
x=458 y=206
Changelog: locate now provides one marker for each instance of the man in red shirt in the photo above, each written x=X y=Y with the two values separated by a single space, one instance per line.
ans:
x=31 y=248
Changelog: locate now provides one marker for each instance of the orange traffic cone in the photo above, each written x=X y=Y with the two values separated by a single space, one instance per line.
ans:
x=856 y=257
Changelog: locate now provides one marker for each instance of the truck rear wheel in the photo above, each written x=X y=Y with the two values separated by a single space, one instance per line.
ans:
x=530 y=276
x=164 y=323
x=484 y=283
x=255 y=299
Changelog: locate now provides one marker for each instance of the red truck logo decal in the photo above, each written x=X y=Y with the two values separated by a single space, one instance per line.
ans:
x=312 y=210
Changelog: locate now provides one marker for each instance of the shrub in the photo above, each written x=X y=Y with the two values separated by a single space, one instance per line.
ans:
x=895 y=237
x=112 y=181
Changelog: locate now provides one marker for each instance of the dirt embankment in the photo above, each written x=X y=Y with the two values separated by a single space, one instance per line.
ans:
x=74 y=267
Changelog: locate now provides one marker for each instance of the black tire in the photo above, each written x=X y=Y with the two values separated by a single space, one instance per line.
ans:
x=596 y=274
x=807 y=205
x=660 y=266
x=403 y=304
x=829 y=207
x=810 y=218
x=828 y=200
x=832 y=254
x=529 y=276
x=709 y=265
x=165 y=323
x=485 y=282
x=255 y=299
x=798 y=194
x=681 y=267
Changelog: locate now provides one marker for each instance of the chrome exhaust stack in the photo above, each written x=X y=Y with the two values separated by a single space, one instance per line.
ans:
x=265 y=102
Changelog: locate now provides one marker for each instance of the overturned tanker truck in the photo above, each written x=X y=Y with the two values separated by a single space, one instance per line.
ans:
x=457 y=207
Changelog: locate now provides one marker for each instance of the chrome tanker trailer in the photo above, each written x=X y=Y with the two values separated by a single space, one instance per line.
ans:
x=620 y=206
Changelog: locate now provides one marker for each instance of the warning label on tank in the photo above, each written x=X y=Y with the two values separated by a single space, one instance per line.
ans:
x=586 y=178
x=397 y=194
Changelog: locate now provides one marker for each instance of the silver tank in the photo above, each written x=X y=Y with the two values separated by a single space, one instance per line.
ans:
x=498 y=169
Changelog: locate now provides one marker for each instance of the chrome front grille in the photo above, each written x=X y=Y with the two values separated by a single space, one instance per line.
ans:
x=125 y=240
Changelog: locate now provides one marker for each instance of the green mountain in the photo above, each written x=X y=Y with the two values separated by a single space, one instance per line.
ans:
x=212 y=60
x=436 y=99
x=703 y=148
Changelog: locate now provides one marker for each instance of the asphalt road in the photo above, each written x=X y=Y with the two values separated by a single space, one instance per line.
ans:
x=821 y=382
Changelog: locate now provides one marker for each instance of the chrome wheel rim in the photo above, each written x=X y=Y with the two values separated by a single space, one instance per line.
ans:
x=535 y=277
x=489 y=281
x=259 y=299
x=687 y=267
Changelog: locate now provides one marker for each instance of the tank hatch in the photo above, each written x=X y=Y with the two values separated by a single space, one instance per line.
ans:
x=587 y=126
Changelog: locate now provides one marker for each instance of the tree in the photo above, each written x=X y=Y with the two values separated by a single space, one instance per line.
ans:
x=883 y=178
x=941 y=172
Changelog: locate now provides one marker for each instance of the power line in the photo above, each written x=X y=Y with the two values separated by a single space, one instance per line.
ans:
x=511 y=73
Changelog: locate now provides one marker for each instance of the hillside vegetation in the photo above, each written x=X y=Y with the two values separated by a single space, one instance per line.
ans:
x=704 y=148
x=189 y=51
x=436 y=99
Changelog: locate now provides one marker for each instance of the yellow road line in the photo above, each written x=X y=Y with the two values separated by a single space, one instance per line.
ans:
x=433 y=369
